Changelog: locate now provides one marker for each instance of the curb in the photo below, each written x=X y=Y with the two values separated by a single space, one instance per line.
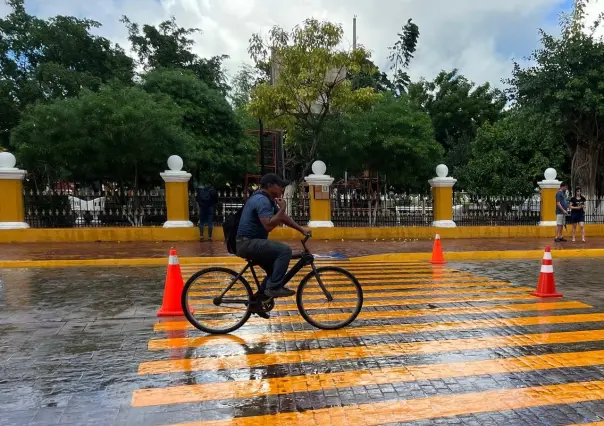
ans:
x=232 y=260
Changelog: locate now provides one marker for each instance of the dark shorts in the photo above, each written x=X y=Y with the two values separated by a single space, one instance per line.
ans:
x=577 y=218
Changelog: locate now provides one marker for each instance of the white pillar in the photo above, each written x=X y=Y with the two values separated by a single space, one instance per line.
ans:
x=12 y=212
x=442 y=198
x=177 y=194
x=320 y=200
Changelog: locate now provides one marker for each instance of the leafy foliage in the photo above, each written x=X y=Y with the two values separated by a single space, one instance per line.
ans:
x=49 y=59
x=393 y=139
x=311 y=84
x=220 y=152
x=118 y=134
x=401 y=54
x=509 y=157
x=565 y=84
x=170 y=46
x=457 y=108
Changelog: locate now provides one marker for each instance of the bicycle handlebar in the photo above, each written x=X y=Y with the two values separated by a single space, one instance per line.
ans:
x=305 y=240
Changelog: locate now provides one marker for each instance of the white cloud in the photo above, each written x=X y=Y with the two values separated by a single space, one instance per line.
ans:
x=479 y=37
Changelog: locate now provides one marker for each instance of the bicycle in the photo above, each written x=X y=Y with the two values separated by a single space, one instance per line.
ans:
x=240 y=295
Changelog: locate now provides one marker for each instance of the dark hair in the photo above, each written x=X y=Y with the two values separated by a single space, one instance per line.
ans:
x=562 y=184
x=578 y=188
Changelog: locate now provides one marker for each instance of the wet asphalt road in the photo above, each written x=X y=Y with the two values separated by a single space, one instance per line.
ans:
x=72 y=341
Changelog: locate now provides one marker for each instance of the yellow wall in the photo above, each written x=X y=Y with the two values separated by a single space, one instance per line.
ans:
x=177 y=200
x=443 y=203
x=192 y=234
x=11 y=206
x=548 y=204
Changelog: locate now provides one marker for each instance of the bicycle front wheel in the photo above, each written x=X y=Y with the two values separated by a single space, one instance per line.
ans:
x=210 y=308
x=329 y=299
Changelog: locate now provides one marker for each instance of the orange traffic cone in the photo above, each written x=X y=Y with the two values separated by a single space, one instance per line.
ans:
x=547 y=285
x=437 y=252
x=171 y=305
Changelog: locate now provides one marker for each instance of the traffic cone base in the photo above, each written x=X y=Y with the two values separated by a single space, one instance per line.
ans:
x=437 y=252
x=546 y=287
x=171 y=305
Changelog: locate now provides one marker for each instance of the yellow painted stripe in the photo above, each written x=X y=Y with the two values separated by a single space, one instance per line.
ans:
x=354 y=352
x=282 y=307
x=588 y=424
x=226 y=261
x=376 y=330
x=371 y=315
x=364 y=281
x=373 y=377
x=323 y=304
x=427 y=408
x=370 y=288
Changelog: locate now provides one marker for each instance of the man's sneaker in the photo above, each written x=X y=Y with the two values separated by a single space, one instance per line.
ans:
x=263 y=314
x=279 y=292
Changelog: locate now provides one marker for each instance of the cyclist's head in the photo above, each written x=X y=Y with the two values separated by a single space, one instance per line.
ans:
x=273 y=184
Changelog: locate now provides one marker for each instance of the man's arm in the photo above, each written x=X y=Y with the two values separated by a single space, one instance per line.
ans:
x=288 y=221
x=267 y=216
x=560 y=205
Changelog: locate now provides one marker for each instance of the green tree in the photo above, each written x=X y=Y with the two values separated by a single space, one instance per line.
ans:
x=392 y=140
x=509 y=157
x=118 y=134
x=220 y=152
x=457 y=108
x=170 y=46
x=401 y=54
x=566 y=84
x=52 y=58
x=310 y=84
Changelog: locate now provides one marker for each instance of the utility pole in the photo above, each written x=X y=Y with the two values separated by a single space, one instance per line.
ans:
x=354 y=33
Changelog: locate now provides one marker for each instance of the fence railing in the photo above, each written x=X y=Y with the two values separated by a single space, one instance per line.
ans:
x=352 y=208
x=84 y=207
x=494 y=211
x=230 y=201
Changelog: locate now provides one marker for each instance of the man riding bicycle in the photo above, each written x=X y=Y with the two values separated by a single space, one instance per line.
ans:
x=263 y=212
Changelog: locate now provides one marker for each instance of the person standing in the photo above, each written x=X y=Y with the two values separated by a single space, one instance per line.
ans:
x=561 y=212
x=206 y=198
x=577 y=213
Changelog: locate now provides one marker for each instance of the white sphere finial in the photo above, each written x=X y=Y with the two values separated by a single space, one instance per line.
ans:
x=175 y=163
x=7 y=160
x=319 y=167
x=442 y=171
x=550 y=174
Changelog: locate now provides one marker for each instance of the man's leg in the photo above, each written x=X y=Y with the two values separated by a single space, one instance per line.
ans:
x=274 y=258
x=200 y=224
x=210 y=221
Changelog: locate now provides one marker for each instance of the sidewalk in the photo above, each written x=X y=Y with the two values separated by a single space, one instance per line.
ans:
x=352 y=248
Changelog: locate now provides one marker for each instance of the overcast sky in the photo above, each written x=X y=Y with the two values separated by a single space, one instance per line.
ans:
x=480 y=37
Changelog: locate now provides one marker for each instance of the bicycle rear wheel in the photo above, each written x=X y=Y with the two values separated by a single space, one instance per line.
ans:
x=315 y=290
x=211 y=312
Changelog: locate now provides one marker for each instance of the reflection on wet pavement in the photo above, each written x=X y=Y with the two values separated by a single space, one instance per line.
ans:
x=462 y=345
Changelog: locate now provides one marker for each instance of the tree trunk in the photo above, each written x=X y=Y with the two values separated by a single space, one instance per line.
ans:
x=289 y=192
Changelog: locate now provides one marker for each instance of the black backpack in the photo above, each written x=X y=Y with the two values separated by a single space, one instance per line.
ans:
x=231 y=226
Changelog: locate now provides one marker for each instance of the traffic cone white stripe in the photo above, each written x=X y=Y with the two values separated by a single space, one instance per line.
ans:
x=173 y=260
x=437 y=237
x=547 y=269
x=547 y=255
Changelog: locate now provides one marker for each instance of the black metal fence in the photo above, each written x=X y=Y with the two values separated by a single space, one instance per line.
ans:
x=469 y=210
x=231 y=200
x=355 y=208
x=84 y=207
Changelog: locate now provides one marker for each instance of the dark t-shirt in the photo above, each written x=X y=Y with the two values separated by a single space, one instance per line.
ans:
x=256 y=207
x=575 y=202
x=560 y=198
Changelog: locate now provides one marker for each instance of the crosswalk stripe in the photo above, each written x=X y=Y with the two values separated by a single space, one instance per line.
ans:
x=427 y=407
x=372 y=315
x=354 y=352
x=304 y=383
x=282 y=336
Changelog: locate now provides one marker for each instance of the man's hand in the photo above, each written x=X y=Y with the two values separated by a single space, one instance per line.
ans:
x=281 y=203
x=307 y=232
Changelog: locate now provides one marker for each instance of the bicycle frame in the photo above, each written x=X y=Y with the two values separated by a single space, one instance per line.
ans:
x=305 y=259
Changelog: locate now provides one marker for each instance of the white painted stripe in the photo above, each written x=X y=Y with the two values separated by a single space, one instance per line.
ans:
x=547 y=255
x=173 y=260
x=548 y=269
